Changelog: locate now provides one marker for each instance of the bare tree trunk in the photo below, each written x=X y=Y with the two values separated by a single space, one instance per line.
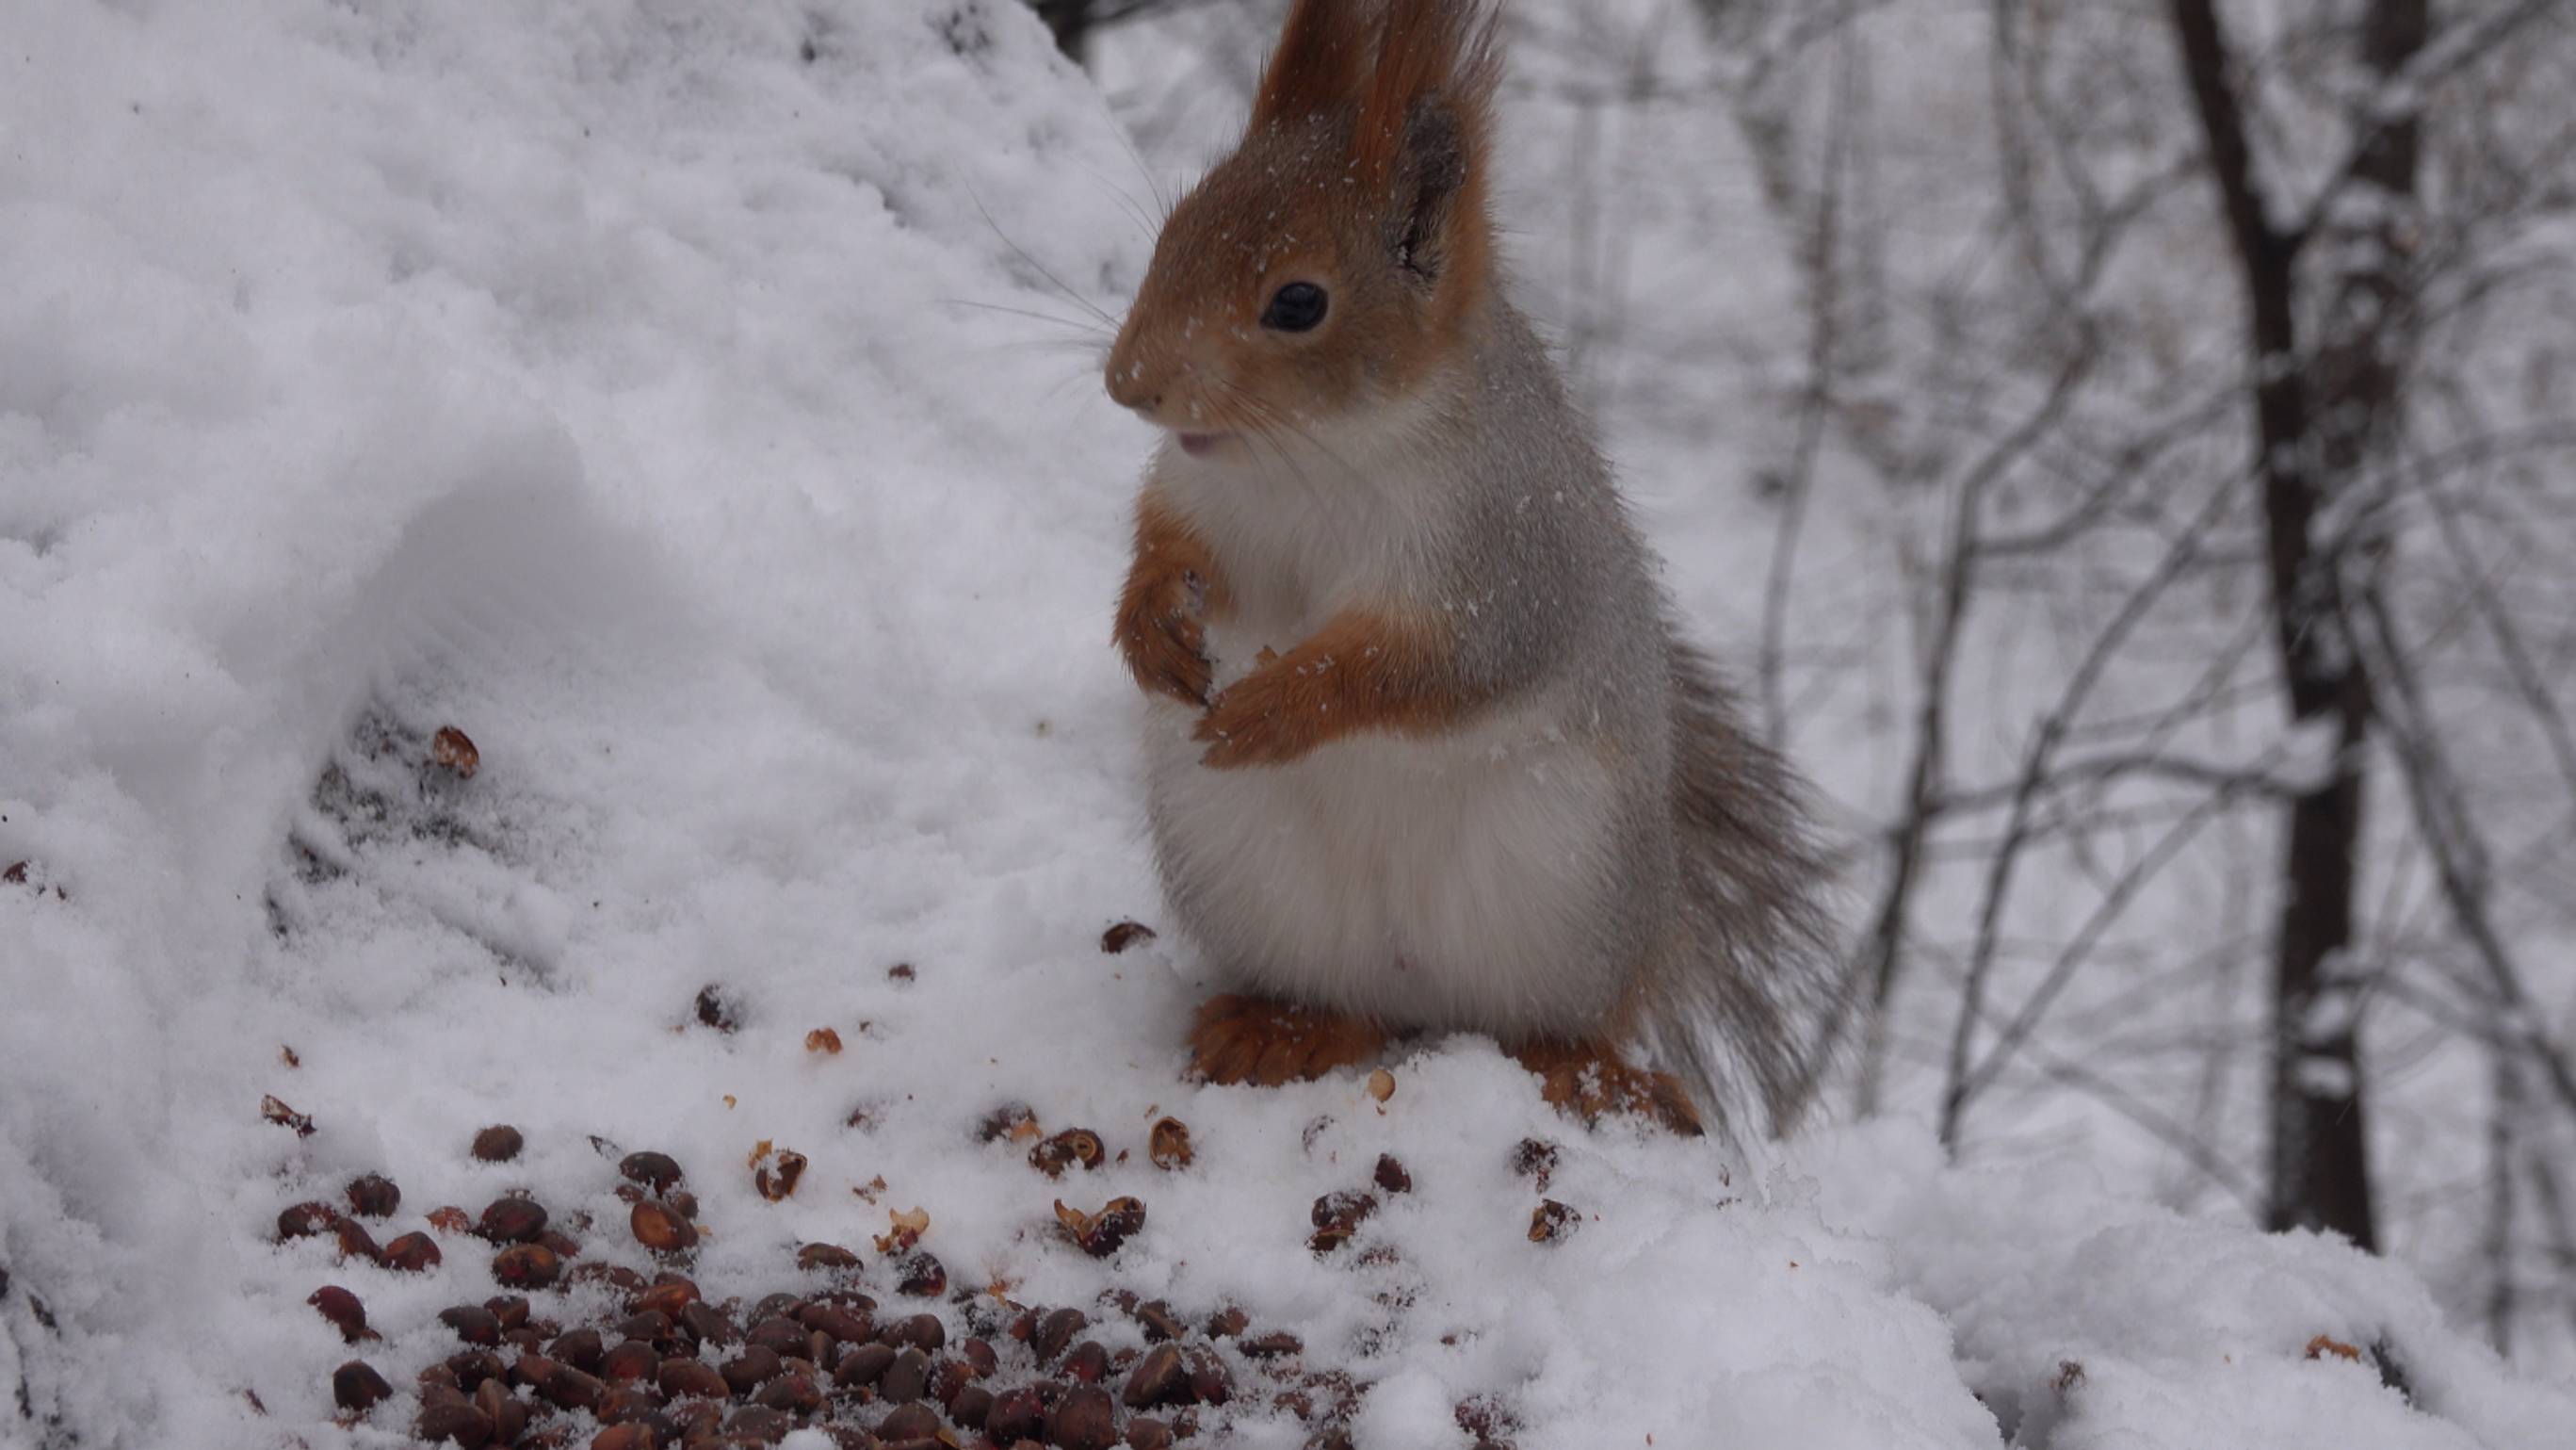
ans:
x=2318 y=425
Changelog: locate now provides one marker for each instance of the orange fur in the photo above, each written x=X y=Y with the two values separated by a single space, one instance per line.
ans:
x=1590 y=1079
x=1316 y=67
x=1428 y=50
x=1171 y=586
x=1241 y=1039
x=1361 y=671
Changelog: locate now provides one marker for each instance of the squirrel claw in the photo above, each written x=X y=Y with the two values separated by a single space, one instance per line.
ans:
x=1190 y=687
x=1590 y=1080
x=1241 y=1039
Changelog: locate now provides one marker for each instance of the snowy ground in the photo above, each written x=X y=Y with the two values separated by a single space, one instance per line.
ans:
x=649 y=390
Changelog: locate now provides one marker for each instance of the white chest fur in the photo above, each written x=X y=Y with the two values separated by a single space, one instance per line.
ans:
x=1420 y=882
x=1449 y=883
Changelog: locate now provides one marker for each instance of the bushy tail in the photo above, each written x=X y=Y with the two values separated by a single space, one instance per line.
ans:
x=1744 y=995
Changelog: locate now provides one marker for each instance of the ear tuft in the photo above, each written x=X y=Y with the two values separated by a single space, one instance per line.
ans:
x=1432 y=91
x=1320 y=65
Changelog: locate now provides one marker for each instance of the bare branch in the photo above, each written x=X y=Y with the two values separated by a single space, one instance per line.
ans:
x=1816 y=404
x=1888 y=932
x=2399 y=102
x=2446 y=826
x=2035 y=769
x=2238 y=780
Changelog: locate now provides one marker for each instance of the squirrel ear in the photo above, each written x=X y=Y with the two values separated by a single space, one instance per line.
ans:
x=1434 y=180
x=1425 y=129
x=1319 y=65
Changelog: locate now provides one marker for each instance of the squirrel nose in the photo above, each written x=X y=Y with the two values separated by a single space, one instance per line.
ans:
x=1129 y=387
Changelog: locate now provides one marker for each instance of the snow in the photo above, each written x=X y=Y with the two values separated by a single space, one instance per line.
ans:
x=660 y=407
x=2309 y=754
x=2186 y=1332
x=2324 y=1077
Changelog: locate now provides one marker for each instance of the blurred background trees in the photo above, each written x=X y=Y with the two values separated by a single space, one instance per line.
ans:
x=2128 y=451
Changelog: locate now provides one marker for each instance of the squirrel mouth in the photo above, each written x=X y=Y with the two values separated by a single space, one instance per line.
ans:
x=1200 y=445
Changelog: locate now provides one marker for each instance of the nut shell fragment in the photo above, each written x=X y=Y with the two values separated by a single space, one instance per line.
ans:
x=1072 y=1148
x=1553 y=1222
x=1124 y=935
x=276 y=1111
x=905 y=1228
x=1168 y=1144
x=1100 y=1234
x=1015 y=1122
x=776 y=1171
x=452 y=748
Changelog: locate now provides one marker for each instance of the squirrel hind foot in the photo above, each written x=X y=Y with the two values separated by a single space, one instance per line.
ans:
x=1243 y=1039
x=1589 y=1080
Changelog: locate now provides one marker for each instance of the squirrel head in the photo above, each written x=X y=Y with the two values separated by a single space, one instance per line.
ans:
x=1342 y=253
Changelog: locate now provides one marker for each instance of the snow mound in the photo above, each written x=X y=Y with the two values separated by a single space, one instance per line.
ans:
x=678 y=400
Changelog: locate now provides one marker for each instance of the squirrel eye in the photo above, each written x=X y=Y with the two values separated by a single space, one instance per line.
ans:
x=1294 y=308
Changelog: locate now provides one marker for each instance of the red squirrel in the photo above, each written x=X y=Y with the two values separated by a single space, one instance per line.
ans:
x=1424 y=749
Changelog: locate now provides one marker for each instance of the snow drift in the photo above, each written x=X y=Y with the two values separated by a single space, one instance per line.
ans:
x=688 y=402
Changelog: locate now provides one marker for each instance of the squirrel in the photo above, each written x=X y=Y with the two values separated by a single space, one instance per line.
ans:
x=1424 y=751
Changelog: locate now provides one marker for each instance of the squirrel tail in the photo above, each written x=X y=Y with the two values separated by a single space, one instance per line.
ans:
x=1744 y=1006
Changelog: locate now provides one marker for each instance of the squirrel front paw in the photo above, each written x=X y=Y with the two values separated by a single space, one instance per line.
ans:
x=1252 y=722
x=1164 y=643
x=1365 y=670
